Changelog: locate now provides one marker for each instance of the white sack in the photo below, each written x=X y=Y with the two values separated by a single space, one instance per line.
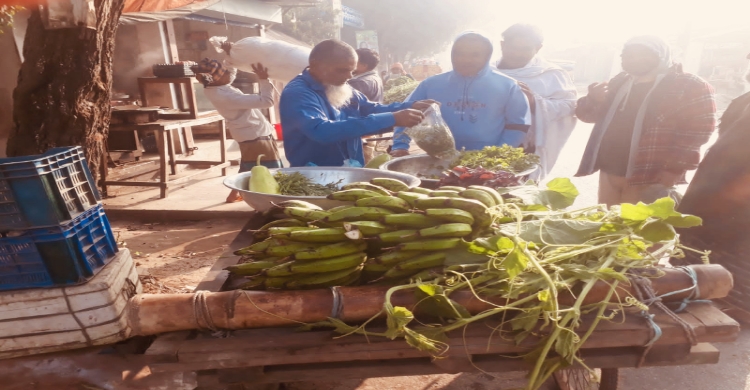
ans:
x=283 y=60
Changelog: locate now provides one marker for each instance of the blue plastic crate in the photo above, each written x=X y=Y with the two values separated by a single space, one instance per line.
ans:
x=57 y=256
x=46 y=189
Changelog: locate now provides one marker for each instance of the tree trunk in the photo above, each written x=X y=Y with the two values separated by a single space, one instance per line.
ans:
x=63 y=92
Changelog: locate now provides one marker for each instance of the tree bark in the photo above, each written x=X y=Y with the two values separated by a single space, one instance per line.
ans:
x=63 y=92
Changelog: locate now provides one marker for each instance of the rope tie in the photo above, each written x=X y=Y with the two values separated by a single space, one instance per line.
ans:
x=644 y=291
x=202 y=314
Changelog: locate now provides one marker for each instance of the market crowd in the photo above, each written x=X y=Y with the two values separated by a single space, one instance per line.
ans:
x=650 y=120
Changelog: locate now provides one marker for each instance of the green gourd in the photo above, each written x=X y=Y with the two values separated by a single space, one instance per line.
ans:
x=261 y=179
x=377 y=161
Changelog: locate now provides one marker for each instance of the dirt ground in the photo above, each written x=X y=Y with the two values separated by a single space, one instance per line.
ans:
x=172 y=257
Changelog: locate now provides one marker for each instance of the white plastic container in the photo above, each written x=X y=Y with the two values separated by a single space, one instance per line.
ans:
x=283 y=60
x=44 y=320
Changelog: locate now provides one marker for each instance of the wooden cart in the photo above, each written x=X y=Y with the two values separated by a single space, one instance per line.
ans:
x=278 y=355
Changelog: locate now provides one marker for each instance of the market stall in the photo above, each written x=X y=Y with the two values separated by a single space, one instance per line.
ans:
x=627 y=311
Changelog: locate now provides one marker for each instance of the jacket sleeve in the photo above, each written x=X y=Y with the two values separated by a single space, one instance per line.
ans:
x=589 y=111
x=561 y=101
x=301 y=109
x=244 y=101
x=401 y=141
x=697 y=121
x=517 y=117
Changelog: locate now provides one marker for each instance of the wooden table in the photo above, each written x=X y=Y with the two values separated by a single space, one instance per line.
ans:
x=278 y=355
x=186 y=104
x=167 y=155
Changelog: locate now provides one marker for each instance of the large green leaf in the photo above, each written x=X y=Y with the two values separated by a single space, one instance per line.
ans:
x=657 y=231
x=515 y=263
x=662 y=209
x=560 y=193
x=555 y=232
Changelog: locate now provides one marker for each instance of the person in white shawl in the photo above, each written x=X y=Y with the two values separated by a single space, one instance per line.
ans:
x=550 y=91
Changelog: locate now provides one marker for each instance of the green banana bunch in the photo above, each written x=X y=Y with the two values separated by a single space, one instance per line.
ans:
x=394 y=257
x=452 y=188
x=285 y=232
x=482 y=218
x=429 y=274
x=252 y=268
x=363 y=185
x=260 y=247
x=367 y=228
x=262 y=233
x=306 y=215
x=276 y=207
x=373 y=267
x=387 y=202
x=317 y=266
x=398 y=236
x=390 y=184
x=318 y=235
x=409 y=220
x=446 y=230
x=342 y=277
x=493 y=192
x=444 y=193
x=328 y=251
x=431 y=260
x=450 y=215
x=429 y=245
x=479 y=195
x=290 y=249
x=411 y=197
x=278 y=283
x=357 y=214
x=419 y=190
x=352 y=195
x=339 y=208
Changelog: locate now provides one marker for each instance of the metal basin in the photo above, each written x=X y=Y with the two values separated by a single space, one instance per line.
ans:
x=419 y=165
x=424 y=166
x=320 y=175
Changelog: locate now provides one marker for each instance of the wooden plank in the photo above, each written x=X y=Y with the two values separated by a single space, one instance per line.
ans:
x=629 y=357
x=164 y=348
x=719 y=326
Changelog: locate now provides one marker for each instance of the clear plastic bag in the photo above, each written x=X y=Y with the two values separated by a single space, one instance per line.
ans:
x=434 y=136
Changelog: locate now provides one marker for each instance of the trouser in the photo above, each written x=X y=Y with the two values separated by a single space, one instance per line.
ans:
x=615 y=190
x=250 y=150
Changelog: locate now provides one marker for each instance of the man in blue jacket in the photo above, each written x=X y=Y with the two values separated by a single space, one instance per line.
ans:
x=324 y=119
x=481 y=106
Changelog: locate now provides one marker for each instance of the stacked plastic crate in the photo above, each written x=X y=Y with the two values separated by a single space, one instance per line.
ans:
x=53 y=230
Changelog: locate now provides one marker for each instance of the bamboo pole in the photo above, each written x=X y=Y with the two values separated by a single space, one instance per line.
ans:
x=150 y=314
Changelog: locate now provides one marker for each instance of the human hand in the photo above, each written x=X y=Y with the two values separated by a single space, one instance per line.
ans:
x=598 y=92
x=408 y=118
x=227 y=47
x=529 y=95
x=261 y=71
x=423 y=105
x=399 y=152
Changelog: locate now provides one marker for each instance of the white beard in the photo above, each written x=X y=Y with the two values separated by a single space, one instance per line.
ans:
x=339 y=95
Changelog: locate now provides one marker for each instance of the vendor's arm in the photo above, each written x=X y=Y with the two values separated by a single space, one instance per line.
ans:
x=243 y=101
x=301 y=109
x=561 y=102
x=697 y=123
x=517 y=117
x=401 y=141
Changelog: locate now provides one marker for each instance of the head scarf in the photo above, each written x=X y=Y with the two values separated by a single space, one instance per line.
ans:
x=209 y=70
x=397 y=66
x=656 y=45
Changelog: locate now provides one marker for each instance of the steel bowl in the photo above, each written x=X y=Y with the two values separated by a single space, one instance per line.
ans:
x=424 y=166
x=321 y=175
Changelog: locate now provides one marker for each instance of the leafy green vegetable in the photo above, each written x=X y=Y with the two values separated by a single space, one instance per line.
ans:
x=496 y=158
x=297 y=184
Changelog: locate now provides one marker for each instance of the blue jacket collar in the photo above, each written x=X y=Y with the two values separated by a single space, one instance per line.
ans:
x=310 y=80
